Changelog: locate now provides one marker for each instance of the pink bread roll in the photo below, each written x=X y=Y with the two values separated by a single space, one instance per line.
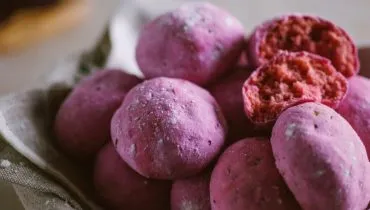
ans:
x=168 y=128
x=197 y=42
x=355 y=108
x=83 y=121
x=289 y=79
x=245 y=177
x=120 y=188
x=191 y=193
x=228 y=94
x=298 y=32
x=321 y=158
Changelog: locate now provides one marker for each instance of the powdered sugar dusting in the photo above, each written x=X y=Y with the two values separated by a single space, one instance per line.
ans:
x=193 y=19
x=365 y=104
x=319 y=173
x=290 y=130
x=188 y=205
x=229 y=21
x=133 y=149
x=161 y=160
x=165 y=20
x=186 y=28
x=346 y=173
x=149 y=96
x=173 y=120
x=193 y=15
x=217 y=52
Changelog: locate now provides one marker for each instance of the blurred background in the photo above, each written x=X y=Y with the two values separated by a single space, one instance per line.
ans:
x=27 y=68
x=24 y=69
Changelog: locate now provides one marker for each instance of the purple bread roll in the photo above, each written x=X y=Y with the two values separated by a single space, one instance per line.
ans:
x=245 y=177
x=120 y=188
x=197 y=42
x=355 y=108
x=191 y=193
x=321 y=158
x=82 y=124
x=228 y=94
x=297 y=32
x=168 y=128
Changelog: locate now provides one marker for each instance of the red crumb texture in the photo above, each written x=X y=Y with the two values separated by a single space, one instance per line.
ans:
x=305 y=33
x=290 y=79
x=228 y=94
